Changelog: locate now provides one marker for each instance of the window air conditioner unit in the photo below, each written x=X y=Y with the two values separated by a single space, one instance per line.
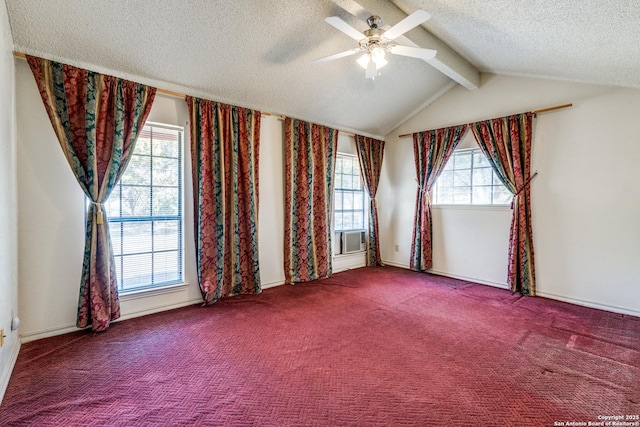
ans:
x=353 y=241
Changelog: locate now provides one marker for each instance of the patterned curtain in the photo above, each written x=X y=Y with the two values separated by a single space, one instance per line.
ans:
x=370 y=152
x=432 y=150
x=225 y=147
x=507 y=144
x=310 y=158
x=96 y=119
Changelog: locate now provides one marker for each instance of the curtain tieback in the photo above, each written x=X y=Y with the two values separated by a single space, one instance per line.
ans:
x=100 y=218
x=526 y=184
x=424 y=191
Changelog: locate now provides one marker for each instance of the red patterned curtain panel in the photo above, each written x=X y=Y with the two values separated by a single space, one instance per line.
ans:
x=432 y=150
x=507 y=144
x=310 y=158
x=225 y=146
x=96 y=119
x=370 y=153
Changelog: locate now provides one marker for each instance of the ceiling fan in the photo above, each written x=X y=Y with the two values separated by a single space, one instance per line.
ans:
x=374 y=43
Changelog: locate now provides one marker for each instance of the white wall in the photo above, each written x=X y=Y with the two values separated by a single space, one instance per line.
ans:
x=51 y=221
x=8 y=204
x=586 y=201
x=271 y=208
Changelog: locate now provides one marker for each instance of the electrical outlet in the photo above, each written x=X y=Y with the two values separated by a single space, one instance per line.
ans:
x=397 y=248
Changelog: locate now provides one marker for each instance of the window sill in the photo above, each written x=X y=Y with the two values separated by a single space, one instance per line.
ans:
x=473 y=207
x=145 y=293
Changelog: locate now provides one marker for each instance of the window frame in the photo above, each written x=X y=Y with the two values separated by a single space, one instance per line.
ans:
x=362 y=189
x=336 y=249
x=496 y=182
x=167 y=285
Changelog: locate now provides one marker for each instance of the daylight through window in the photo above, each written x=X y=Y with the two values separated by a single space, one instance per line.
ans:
x=468 y=179
x=348 y=194
x=145 y=212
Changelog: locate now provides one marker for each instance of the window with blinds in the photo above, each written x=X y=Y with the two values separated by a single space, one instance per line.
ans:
x=145 y=212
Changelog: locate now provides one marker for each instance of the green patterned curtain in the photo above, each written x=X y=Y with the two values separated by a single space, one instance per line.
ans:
x=506 y=142
x=310 y=159
x=370 y=153
x=96 y=119
x=432 y=149
x=225 y=147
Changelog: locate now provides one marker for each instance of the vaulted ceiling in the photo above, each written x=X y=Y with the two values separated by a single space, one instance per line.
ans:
x=259 y=54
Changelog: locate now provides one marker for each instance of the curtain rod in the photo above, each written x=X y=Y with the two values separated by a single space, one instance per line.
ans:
x=163 y=91
x=158 y=90
x=182 y=95
x=541 y=110
x=280 y=117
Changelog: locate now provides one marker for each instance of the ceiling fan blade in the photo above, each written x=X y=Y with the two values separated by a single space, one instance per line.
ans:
x=411 y=21
x=414 y=52
x=337 y=55
x=371 y=70
x=339 y=24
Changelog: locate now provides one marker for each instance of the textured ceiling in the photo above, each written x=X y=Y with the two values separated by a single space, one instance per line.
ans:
x=259 y=54
x=588 y=41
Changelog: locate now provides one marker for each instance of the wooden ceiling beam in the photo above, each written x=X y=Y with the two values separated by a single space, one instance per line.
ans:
x=446 y=61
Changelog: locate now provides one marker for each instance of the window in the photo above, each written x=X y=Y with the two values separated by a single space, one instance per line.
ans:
x=468 y=179
x=348 y=194
x=145 y=212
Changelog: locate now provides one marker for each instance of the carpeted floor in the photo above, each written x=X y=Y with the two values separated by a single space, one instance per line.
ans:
x=372 y=346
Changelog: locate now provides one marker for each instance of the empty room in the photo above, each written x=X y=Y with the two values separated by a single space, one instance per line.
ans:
x=319 y=213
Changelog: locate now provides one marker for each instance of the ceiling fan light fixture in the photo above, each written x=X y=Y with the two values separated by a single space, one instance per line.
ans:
x=375 y=42
x=363 y=61
x=377 y=53
x=378 y=59
x=380 y=62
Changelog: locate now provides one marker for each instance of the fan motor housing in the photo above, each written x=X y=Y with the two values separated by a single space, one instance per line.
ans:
x=374 y=21
x=374 y=37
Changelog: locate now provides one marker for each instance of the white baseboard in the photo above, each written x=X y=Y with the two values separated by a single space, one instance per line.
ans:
x=65 y=329
x=550 y=295
x=471 y=279
x=158 y=309
x=344 y=263
x=8 y=369
x=272 y=284
x=47 y=333
x=396 y=264
x=342 y=268
x=591 y=304
x=453 y=276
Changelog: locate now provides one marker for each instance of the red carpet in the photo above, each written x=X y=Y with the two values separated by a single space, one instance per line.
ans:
x=373 y=346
